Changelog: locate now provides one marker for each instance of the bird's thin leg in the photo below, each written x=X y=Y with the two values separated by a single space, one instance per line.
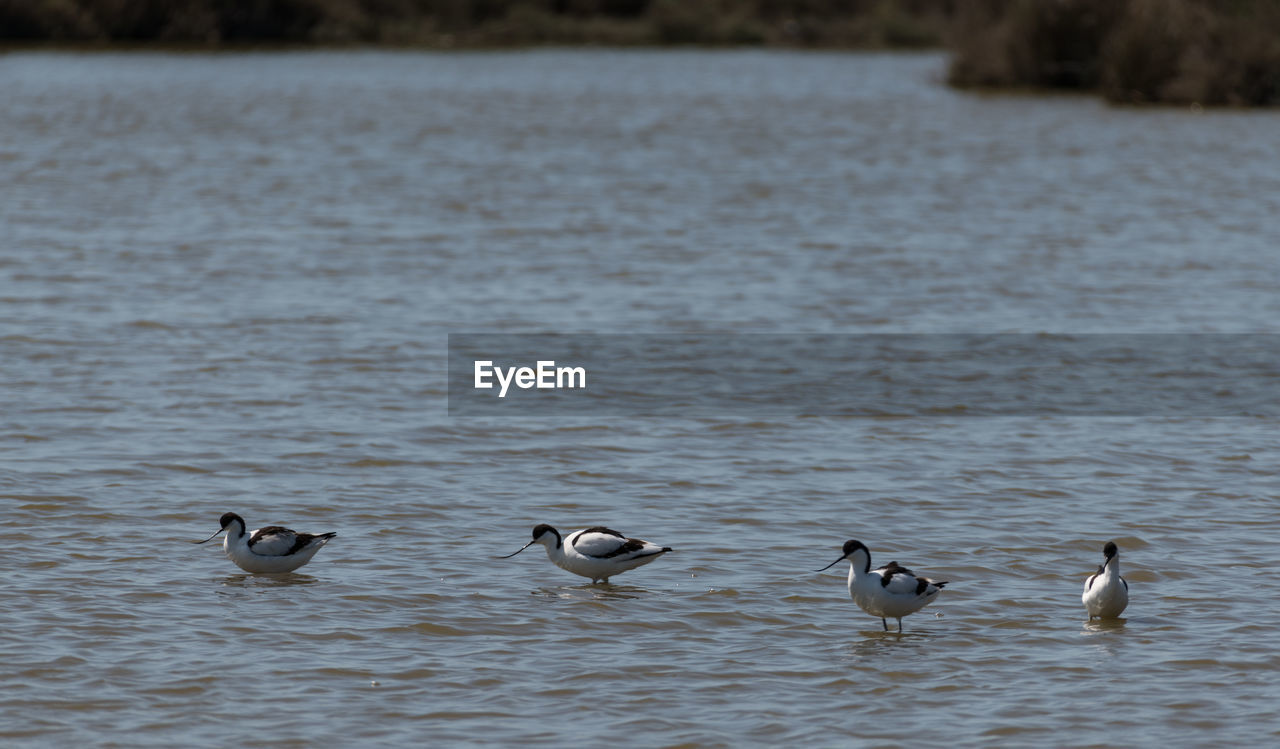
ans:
x=899 y=625
x=886 y=624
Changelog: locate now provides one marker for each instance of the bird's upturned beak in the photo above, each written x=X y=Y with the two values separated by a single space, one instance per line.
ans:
x=829 y=566
x=210 y=538
x=517 y=551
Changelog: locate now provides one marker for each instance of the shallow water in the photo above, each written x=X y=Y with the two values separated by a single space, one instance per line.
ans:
x=227 y=283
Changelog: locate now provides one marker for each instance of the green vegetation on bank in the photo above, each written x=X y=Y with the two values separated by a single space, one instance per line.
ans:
x=479 y=23
x=1208 y=52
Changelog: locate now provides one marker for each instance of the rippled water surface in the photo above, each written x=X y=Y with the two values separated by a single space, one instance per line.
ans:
x=226 y=283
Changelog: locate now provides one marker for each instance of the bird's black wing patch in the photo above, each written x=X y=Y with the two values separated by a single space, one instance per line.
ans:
x=627 y=546
x=271 y=536
x=891 y=569
x=630 y=546
x=270 y=530
x=605 y=531
x=623 y=545
x=300 y=540
x=1102 y=568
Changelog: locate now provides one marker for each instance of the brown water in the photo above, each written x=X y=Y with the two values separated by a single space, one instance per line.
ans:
x=226 y=283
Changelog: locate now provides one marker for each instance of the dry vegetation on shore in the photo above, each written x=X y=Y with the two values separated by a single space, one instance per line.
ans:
x=1208 y=52
x=479 y=23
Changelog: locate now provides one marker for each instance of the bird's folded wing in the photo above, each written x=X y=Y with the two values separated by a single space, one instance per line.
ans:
x=273 y=541
x=903 y=584
x=602 y=543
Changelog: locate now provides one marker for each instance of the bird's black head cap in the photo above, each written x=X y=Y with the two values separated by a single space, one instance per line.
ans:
x=851 y=546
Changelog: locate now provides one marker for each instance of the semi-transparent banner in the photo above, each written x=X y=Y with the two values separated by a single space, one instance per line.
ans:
x=1167 y=375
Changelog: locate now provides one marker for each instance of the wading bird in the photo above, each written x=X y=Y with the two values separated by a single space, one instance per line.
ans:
x=890 y=591
x=267 y=550
x=1105 y=592
x=597 y=553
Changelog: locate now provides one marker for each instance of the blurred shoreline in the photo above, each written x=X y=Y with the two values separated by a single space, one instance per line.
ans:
x=472 y=24
x=1181 y=52
x=1137 y=52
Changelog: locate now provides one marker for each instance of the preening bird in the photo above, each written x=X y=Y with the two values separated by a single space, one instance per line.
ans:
x=1105 y=592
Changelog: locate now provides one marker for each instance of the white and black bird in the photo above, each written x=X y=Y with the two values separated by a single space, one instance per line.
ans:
x=598 y=553
x=1105 y=592
x=891 y=591
x=272 y=549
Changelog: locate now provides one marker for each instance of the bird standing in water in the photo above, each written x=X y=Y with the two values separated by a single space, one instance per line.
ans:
x=598 y=553
x=268 y=550
x=891 y=591
x=1105 y=592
